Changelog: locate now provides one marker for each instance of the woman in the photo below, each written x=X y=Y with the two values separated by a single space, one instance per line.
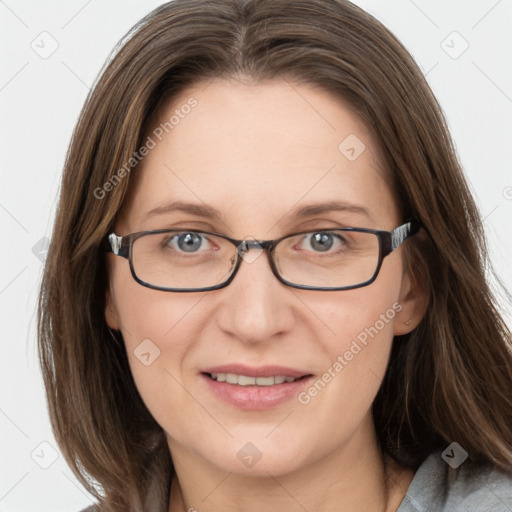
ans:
x=266 y=286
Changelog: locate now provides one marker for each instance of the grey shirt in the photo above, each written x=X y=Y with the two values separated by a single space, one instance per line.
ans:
x=437 y=487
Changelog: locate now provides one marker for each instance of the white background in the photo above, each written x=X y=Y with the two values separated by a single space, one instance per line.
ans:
x=39 y=103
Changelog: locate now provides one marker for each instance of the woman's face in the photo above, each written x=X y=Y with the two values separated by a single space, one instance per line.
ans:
x=257 y=154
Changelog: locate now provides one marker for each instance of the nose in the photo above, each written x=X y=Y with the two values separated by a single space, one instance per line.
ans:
x=256 y=307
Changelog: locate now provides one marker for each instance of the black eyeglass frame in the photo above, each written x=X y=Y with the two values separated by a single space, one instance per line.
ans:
x=388 y=242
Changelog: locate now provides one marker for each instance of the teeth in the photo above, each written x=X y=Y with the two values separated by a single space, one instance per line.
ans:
x=231 y=378
x=265 y=381
x=244 y=380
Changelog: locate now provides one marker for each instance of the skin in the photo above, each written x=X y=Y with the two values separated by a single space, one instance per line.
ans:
x=254 y=152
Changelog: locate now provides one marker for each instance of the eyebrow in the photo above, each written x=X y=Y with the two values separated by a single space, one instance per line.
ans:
x=203 y=210
x=331 y=206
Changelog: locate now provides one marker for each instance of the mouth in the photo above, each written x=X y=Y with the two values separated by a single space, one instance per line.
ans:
x=246 y=380
x=255 y=388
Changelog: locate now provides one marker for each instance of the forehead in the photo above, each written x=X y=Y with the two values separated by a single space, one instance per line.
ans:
x=254 y=153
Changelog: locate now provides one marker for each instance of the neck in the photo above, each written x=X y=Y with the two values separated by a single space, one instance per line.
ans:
x=356 y=477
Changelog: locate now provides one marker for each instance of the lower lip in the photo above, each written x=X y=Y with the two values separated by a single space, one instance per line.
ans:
x=256 y=398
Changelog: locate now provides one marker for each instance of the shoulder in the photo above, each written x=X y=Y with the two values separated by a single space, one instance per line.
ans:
x=437 y=487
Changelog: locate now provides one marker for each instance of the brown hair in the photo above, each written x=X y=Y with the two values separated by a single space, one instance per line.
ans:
x=448 y=380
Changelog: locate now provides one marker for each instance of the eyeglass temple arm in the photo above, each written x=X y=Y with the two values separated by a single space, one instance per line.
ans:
x=115 y=245
x=399 y=235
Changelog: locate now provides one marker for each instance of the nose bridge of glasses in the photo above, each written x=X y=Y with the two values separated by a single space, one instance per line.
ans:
x=249 y=257
x=247 y=244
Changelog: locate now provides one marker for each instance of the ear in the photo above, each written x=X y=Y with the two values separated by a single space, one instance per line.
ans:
x=413 y=299
x=111 y=313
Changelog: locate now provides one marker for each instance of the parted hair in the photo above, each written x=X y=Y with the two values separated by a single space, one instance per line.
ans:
x=450 y=379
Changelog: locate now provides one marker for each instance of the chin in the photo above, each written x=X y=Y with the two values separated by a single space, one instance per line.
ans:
x=258 y=458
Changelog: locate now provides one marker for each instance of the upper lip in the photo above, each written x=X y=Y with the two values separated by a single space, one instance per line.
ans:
x=256 y=371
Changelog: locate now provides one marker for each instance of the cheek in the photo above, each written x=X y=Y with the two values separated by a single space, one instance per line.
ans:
x=364 y=326
x=355 y=352
x=145 y=313
x=360 y=316
x=159 y=329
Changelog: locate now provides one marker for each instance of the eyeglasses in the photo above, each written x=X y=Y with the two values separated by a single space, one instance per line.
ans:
x=182 y=260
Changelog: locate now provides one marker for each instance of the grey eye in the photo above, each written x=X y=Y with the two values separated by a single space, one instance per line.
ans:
x=188 y=242
x=321 y=242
